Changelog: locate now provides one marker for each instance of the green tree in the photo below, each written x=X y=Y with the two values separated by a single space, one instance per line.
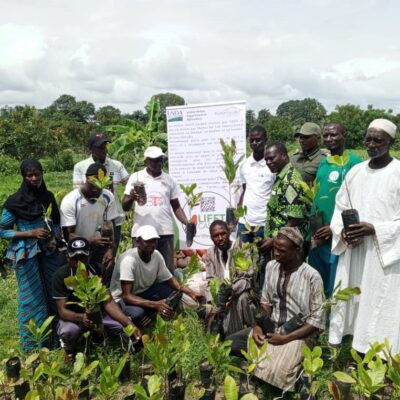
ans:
x=250 y=120
x=67 y=108
x=300 y=111
x=107 y=115
x=166 y=100
x=356 y=121
x=279 y=130
x=263 y=116
x=26 y=134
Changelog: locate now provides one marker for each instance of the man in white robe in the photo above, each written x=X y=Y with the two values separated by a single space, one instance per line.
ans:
x=370 y=251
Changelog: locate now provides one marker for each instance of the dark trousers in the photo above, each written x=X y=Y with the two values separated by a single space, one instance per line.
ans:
x=158 y=291
x=239 y=342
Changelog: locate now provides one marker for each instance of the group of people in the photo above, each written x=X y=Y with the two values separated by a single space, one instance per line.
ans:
x=303 y=249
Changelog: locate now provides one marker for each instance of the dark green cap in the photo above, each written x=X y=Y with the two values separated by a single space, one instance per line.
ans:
x=309 y=129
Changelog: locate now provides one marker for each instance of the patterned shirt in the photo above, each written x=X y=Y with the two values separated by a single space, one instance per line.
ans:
x=287 y=201
x=291 y=293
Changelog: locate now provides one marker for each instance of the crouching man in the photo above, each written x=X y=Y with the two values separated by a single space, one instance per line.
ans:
x=292 y=299
x=240 y=308
x=73 y=320
x=141 y=281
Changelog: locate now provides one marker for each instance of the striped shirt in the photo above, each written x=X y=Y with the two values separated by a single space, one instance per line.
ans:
x=289 y=294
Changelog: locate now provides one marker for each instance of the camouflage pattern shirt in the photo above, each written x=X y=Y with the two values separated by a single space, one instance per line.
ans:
x=287 y=201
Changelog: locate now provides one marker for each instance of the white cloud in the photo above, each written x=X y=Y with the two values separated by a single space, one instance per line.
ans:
x=264 y=52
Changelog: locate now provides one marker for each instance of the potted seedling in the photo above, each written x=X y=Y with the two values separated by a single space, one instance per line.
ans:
x=298 y=320
x=174 y=299
x=221 y=291
x=350 y=216
x=192 y=200
x=90 y=292
x=230 y=168
x=140 y=190
x=103 y=181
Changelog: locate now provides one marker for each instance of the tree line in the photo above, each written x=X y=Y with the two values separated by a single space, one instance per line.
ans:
x=28 y=132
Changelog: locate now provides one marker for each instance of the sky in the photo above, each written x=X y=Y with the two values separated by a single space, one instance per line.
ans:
x=121 y=52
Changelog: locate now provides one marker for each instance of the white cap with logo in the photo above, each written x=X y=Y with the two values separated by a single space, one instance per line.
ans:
x=147 y=232
x=153 y=152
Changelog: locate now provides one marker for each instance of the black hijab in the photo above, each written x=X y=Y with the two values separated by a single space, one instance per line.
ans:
x=30 y=203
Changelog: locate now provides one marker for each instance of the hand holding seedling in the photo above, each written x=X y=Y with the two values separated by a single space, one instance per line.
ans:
x=265 y=245
x=135 y=196
x=277 y=339
x=357 y=232
x=39 y=233
x=99 y=241
x=164 y=309
x=258 y=335
x=323 y=233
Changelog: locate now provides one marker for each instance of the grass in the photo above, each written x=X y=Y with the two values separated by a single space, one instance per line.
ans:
x=62 y=181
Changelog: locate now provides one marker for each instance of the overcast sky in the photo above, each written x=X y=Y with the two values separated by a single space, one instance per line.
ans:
x=121 y=52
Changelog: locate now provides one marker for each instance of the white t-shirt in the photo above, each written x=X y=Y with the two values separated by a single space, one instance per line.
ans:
x=85 y=215
x=117 y=173
x=259 y=180
x=157 y=211
x=130 y=267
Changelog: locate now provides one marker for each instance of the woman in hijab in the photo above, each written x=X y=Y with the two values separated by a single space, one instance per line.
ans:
x=31 y=251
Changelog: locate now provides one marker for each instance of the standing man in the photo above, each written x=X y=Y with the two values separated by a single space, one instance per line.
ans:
x=369 y=252
x=307 y=159
x=330 y=175
x=98 y=142
x=83 y=211
x=257 y=180
x=162 y=194
x=287 y=205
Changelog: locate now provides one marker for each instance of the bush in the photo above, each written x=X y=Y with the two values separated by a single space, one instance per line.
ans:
x=63 y=161
x=8 y=165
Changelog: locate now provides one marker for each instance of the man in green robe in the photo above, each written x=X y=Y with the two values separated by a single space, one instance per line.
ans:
x=330 y=175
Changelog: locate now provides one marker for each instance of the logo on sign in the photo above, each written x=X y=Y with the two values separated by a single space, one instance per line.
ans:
x=174 y=115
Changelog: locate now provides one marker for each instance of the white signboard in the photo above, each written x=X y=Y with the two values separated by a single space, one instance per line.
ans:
x=195 y=156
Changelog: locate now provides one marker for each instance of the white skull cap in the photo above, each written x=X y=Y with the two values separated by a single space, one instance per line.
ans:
x=384 y=125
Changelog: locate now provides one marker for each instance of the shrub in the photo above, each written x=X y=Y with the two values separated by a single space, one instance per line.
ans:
x=8 y=165
x=63 y=161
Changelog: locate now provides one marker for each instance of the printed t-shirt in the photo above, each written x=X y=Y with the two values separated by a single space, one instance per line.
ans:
x=85 y=215
x=117 y=173
x=157 y=211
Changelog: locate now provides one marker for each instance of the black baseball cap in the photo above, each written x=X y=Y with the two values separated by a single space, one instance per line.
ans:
x=76 y=246
x=97 y=139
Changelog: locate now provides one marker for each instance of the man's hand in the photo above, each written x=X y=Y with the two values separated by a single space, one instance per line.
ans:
x=108 y=259
x=39 y=233
x=164 y=309
x=258 y=335
x=192 y=293
x=358 y=231
x=277 y=339
x=135 y=196
x=87 y=323
x=98 y=241
x=323 y=233
x=265 y=245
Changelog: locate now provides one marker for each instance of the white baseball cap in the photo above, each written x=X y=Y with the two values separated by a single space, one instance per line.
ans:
x=153 y=152
x=147 y=232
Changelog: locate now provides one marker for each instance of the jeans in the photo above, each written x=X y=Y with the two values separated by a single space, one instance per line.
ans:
x=248 y=237
x=158 y=291
x=69 y=332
